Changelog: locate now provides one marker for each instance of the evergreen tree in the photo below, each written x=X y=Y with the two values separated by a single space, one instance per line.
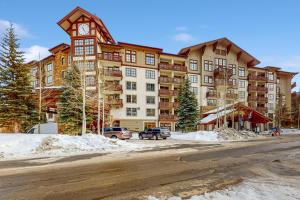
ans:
x=187 y=110
x=70 y=103
x=18 y=105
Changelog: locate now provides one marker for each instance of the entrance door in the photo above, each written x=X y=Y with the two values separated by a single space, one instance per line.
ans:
x=148 y=125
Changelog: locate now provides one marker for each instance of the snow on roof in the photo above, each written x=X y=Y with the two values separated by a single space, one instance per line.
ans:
x=218 y=109
x=214 y=116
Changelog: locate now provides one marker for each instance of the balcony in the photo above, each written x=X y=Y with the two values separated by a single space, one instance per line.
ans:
x=261 y=109
x=252 y=77
x=261 y=89
x=166 y=117
x=113 y=89
x=231 y=96
x=165 y=105
x=110 y=57
x=171 y=80
x=222 y=72
x=251 y=98
x=115 y=102
x=165 y=92
x=262 y=99
x=175 y=67
x=113 y=74
x=211 y=94
x=252 y=88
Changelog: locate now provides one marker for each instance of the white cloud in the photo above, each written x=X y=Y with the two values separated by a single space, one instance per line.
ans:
x=20 y=30
x=35 y=52
x=181 y=28
x=183 y=37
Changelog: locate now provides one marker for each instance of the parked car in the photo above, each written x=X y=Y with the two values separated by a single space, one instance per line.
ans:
x=46 y=128
x=155 y=133
x=117 y=133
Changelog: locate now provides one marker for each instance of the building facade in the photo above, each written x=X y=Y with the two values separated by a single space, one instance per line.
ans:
x=139 y=84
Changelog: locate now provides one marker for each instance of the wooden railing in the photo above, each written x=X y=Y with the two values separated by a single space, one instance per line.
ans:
x=171 y=80
x=115 y=73
x=167 y=117
x=175 y=67
x=110 y=57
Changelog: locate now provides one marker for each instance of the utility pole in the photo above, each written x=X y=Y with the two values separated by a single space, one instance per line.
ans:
x=98 y=101
x=103 y=115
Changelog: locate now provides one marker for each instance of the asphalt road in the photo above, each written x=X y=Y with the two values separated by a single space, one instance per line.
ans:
x=184 y=170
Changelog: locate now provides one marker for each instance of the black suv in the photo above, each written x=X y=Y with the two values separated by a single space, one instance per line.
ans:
x=155 y=133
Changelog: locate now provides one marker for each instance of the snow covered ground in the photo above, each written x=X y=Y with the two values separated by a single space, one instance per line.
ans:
x=207 y=136
x=16 y=146
x=290 y=131
x=252 y=190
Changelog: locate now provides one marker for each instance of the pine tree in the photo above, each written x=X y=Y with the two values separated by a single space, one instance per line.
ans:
x=70 y=103
x=18 y=105
x=187 y=110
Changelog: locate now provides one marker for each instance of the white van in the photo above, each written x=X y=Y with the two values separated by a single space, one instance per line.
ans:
x=46 y=128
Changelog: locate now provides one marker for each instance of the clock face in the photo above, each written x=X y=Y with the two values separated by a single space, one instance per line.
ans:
x=83 y=29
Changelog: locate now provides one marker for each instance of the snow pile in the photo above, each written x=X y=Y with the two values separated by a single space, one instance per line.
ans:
x=225 y=134
x=208 y=136
x=14 y=146
x=285 y=131
x=251 y=190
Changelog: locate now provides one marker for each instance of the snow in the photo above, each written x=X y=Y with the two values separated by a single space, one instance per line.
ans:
x=209 y=136
x=212 y=117
x=289 y=131
x=17 y=146
x=218 y=109
x=251 y=190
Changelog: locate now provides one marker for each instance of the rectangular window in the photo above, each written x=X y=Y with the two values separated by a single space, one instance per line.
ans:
x=233 y=68
x=130 y=72
x=150 y=74
x=150 y=59
x=193 y=78
x=241 y=95
x=89 y=50
x=193 y=65
x=270 y=97
x=208 y=79
x=131 y=99
x=150 y=112
x=78 y=51
x=271 y=87
x=150 y=87
x=242 y=84
x=34 y=72
x=242 y=72
x=211 y=102
x=131 y=111
x=194 y=90
x=90 y=66
x=78 y=42
x=150 y=99
x=49 y=67
x=130 y=85
x=220 y=62
x=90 y=81
x=89 y=41
x=271 y=76
x=208 y=65
x=49 y=79
x=130 y=56
x=270 y=106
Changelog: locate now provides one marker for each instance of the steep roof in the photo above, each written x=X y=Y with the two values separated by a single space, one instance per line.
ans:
x=251 y=60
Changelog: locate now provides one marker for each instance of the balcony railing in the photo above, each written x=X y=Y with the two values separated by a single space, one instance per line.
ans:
x=114 y=73
x=262 y=99
x=231 y=96
x=251 y=98
x=175 y=67
x=252 y=77
x=165 y=92
x=171 y=80
x=223 y=72
x=211 y=94
x=110 y=57
x=252 y=88
x=165 y=104
x=165 y=117
x=115 y=102
x=117 y=88
x=262 y=89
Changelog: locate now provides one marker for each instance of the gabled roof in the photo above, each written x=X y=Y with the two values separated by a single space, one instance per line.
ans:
x=251 y=60
x=58 y=47
x=70 y=18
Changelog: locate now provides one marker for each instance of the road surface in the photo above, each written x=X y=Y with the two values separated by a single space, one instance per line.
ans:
x=184 y=170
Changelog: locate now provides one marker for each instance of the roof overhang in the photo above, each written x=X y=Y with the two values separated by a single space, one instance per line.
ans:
x=231 y=46
x=142 y=47
x=66 y=22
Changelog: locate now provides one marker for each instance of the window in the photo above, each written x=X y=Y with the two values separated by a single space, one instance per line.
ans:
x=193 y=65
x=131 y=111
x=208 y=79
x=62 y=61
x=271 y=76
x=90 y=80
x=49 y=79
x=130 y=56
x=211 y=102
x=241 y=95
x=130 y=72
x=208 y=65
x=131 y=99
x=150 y=100
x=270 y=106
x=271 y=97
x=78 y=42
x=233 y=68
x=89 y=50
x=242 y=72
x=49 y=67
x=150 y=59
x=89 y=41
x=90 y=65
x=150 y=74
x=220 y=62
x=193 y=78
x=194 y=90
x=150 y=87
x=242 y=84
x=34 y=71
x=234 y=82
x=150 y=112
x=271 y=87
x=78 y=51
x=130 y=85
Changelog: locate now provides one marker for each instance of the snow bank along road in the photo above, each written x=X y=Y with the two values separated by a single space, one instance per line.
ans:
x=184 y=170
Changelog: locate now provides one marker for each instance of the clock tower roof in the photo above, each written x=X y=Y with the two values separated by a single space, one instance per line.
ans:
x=66 y=22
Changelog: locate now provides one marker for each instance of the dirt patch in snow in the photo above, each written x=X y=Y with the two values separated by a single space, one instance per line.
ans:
x=229 y=134
x=48 y=144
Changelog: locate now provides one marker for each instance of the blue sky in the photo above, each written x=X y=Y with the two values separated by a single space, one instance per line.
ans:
x=269 y=30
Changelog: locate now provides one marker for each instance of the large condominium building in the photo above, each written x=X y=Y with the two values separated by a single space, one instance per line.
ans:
x=140 y=84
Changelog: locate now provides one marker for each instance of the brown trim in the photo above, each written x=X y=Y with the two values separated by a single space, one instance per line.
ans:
x=130 y=65
x=170 y=54
x=123 y=44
